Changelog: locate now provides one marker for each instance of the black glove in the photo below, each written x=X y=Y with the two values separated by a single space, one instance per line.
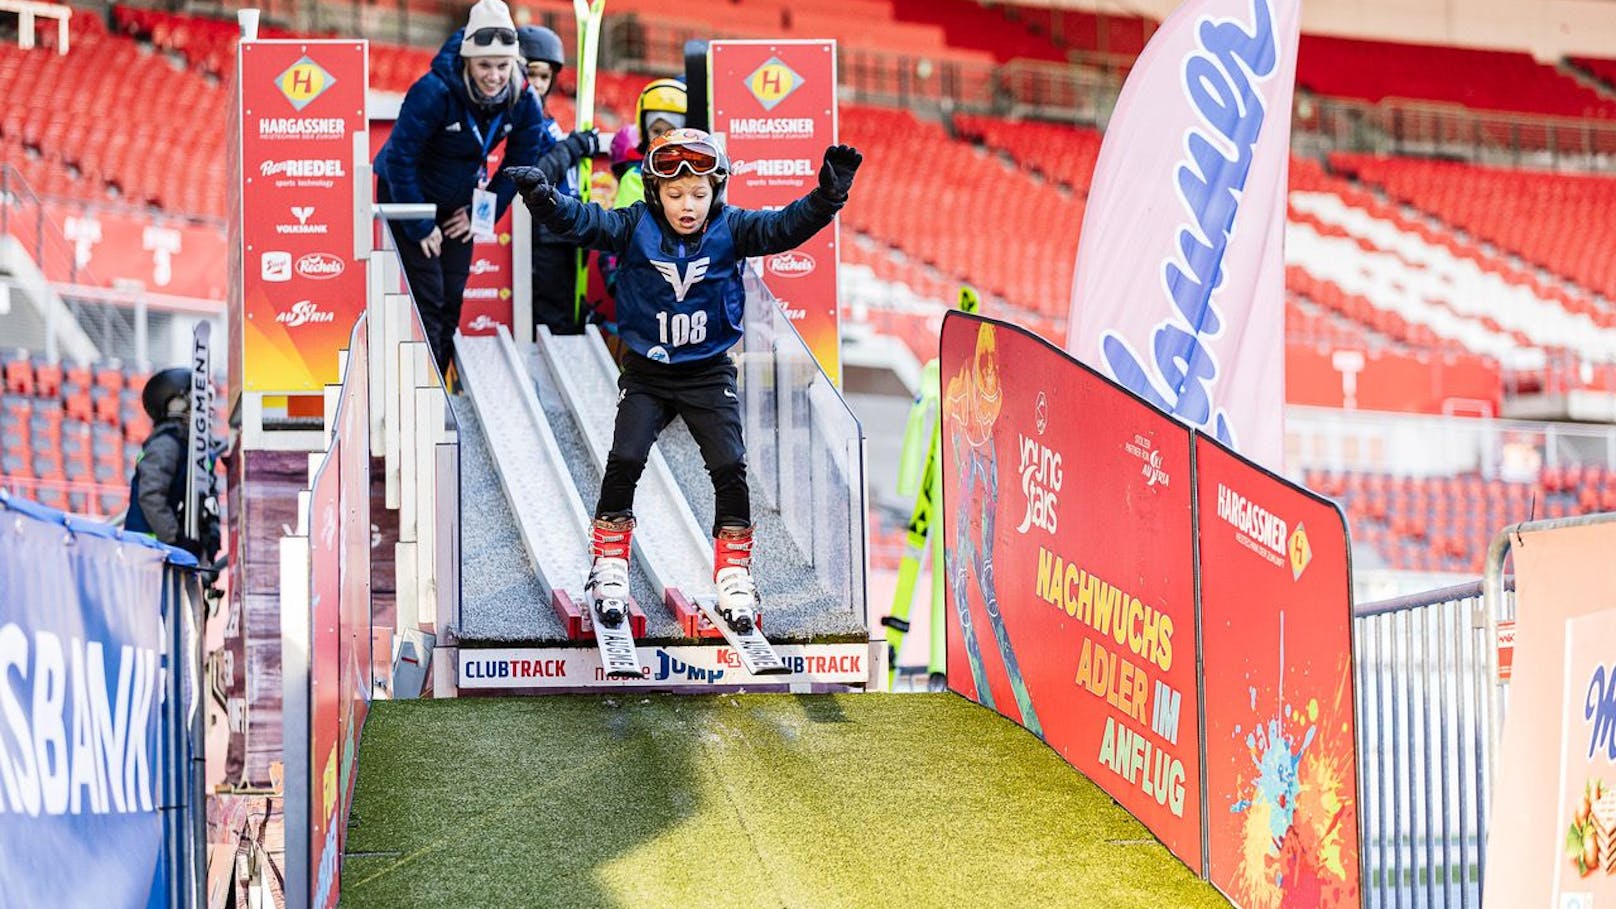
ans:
x=585 y=142
x=536 y=190
x=836 y=174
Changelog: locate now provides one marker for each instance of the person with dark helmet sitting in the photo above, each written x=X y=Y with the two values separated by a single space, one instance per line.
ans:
x=157 y=490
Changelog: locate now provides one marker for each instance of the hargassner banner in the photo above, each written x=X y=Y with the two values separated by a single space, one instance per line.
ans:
x=1179 y=289
x=80 y=676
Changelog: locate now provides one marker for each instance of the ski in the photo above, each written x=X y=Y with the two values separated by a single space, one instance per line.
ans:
x=756 y=653
x=199 y=492
x=588 y=16
x=922 y=424
x=618 y=653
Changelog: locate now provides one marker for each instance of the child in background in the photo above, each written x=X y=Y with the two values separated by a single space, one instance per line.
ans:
x=681 y=255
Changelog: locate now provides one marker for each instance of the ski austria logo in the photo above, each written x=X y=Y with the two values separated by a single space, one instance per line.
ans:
x=1217 y=79
x=1265 y=533
x=1143 y=448
x=304 y=312
x=773 y=82
x=304 y=81
x=1041 y=480
x=320 y=266
x=791 y=264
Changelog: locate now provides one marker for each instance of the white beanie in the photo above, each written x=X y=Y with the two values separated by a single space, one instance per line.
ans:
x=488 y=14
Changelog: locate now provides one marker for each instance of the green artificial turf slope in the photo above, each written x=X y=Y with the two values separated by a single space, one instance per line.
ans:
x=746 y=801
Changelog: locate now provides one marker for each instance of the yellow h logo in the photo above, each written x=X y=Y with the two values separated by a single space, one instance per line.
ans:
x=304 y=81
x=773 y=82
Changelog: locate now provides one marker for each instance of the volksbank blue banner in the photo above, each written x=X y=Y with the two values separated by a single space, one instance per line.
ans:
x=80 y=676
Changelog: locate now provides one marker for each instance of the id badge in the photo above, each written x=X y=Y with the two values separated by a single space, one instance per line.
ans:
x=483 y=205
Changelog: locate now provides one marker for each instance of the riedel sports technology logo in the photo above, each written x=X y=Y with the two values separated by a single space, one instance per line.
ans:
x=792 y=264
x=773 y=82
x=307 y=173
x=320 y=266
x=1041 y=481
x=304 y=312
x=1219 y=79
x=304 y=81
x=771 y=128
x=775 y=167
x=1264 y=532
x=1144 y=448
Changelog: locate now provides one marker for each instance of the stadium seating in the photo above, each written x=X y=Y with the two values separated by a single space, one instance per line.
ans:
x=1444 y=523
x=1560 y=222
x=70 y=437
x=1482 y=79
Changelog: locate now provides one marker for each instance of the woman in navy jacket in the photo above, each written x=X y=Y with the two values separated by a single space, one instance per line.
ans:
x=471 y=101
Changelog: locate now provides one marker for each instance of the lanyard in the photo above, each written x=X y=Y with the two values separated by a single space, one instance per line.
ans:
x=487 y=144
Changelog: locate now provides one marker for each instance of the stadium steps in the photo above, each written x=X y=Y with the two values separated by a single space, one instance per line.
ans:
x=913 y=800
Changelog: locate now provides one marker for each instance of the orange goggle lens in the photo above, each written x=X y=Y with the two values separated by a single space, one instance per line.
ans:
x=667 y=161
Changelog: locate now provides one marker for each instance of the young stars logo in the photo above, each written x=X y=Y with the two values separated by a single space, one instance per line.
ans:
x=304 y=81
x=773 y=82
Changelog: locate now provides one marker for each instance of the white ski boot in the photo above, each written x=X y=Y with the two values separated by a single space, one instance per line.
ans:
x=607 y=587
x=737 y=592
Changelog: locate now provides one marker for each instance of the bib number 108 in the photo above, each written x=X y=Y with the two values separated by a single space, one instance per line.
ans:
x=679 y=329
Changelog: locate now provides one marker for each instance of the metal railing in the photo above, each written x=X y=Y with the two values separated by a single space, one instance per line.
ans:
x=1426 y=709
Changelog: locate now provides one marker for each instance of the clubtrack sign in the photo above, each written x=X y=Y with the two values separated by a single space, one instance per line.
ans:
x=661 y=667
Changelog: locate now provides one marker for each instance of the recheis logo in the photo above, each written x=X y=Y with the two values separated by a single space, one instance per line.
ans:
x=773 y=82
x=304 y=81
x=790 y=264
x=320 y=266
x=1144 y=448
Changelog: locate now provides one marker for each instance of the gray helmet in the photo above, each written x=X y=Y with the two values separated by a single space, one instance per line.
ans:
x=539 y=43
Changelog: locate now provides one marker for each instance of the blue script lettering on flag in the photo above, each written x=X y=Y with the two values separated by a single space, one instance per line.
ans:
x=1218 y=81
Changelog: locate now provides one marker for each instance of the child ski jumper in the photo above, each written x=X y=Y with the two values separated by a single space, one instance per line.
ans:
x=662 y=106
x=680 y=300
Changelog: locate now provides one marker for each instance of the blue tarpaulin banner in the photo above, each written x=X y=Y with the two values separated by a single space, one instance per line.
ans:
x=81 y=678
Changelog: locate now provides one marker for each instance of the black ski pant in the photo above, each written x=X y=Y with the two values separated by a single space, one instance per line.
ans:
x=650 y=395
x=555 y=277
x=438 y=284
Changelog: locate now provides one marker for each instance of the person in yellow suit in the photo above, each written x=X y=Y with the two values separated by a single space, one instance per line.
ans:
x=971 y=407
x=662 y=106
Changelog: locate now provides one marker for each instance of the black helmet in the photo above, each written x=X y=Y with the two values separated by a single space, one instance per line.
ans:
x=539 y=43
x=161 y=390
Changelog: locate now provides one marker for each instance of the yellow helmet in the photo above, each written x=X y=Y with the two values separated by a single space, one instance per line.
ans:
x=664 y=96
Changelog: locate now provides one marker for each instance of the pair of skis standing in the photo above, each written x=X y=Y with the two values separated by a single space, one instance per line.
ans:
x=680 y=303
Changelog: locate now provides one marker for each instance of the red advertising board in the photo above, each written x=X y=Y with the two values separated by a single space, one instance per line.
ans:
x=774 y=103
x=1067 y=517
x=325 y=687
x=301 y=104
x=1552 y=834
x=1276 y=642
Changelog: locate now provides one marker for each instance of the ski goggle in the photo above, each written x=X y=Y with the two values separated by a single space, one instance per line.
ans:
x=666 y=161
x=483 y=37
